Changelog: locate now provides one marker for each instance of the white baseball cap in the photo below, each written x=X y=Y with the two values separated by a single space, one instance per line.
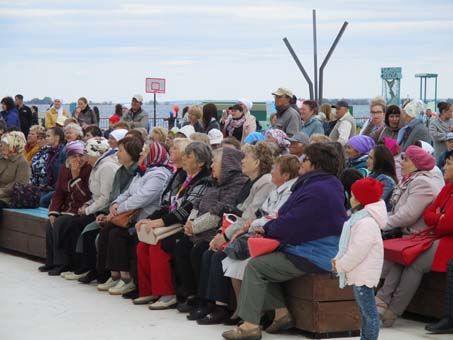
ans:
x=187 y=130
x=215 y=136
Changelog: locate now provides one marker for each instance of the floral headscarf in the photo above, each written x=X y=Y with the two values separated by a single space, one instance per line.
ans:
x=15 y=140
x=280 y=137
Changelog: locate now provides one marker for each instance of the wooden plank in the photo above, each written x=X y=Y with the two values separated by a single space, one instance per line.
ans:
x=23 y=223
x=318 y=288
x=24 y=243
x=324 y=317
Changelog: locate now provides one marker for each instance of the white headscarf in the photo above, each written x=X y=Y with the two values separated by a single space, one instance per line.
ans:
x=60 y=110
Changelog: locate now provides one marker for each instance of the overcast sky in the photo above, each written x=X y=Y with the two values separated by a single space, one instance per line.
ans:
x=221 y=49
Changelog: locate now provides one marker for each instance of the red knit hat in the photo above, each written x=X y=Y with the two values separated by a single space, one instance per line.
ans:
x=114 y=119
x=367 y=190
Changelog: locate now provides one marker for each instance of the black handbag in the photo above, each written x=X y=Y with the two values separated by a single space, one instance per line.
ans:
x=25 y=196
x=238 y=249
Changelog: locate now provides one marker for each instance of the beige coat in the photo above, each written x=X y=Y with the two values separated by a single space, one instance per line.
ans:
x=51 y=117
x=13 y=170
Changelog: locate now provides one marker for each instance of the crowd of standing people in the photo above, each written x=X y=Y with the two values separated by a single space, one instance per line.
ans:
x=214 y=212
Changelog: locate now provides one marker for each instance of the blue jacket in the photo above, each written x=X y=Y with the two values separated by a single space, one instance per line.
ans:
x=313 y=125
x=360 y=164
x=303 y=226
x=389 y=184
x=11 y=118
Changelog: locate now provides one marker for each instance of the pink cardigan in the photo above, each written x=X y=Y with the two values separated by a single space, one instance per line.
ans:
x=363 y=260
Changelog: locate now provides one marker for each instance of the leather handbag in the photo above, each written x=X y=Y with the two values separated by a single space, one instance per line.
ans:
x=406 y=249
x=125 y=219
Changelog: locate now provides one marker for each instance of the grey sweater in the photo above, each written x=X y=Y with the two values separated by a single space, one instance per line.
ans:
x=438 y=129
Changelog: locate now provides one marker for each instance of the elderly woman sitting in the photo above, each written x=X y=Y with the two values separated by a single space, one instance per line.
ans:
x=71 y=193
x=100 y=185
x=357 y=150
x=196 y=162
x=308 y=241
x=35 y=140
x=410 y=198
x=280 y=139
x=205 y=218
x=13 y=166
x=216 y=287
x=116 y=245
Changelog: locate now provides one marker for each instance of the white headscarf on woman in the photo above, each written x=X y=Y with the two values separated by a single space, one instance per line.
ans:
x=60 y=110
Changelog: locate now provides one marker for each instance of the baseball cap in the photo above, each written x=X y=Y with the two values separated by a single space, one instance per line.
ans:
x=283 y=91
x=449 y=136
x=138 y=98
x=300 y=137
x=215 y=136
x=187 y=130
x=341 y=103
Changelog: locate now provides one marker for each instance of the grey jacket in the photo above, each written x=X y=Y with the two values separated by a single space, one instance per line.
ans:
x=144 y=192
x=418 y=132
x=137 y=119
x=438 y=129
x=289 y=121
x=258 y=194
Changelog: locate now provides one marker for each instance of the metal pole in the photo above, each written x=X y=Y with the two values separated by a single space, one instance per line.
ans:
x=435 y=94
x=315 y=55
x=421 y=87
x=155 y=124
x=326 y=59
x=424 y=97
x=301 y=68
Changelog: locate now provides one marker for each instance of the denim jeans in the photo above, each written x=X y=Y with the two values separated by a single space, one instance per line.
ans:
x=364 y=296
x=46 y=197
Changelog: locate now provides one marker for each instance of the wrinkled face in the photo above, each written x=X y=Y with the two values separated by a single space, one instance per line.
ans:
x=394 y=120
x=176 y=156
x=250 y=164
x=305 y=112
x=135 y=104
x=190 y=163
x=281 y=101
x=123 y=157
x=377 y=115
x=32 y=137
x=448 y=170
x=296 y=148
x=351 y=152
x=407 y=167
x=57 y=104
x=278 y=178
x=370 y=161
x=81 y=104
x=70 y=135
x=4 y=149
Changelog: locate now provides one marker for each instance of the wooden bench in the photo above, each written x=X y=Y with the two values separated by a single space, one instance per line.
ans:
x=24 y=231
x=321 y=308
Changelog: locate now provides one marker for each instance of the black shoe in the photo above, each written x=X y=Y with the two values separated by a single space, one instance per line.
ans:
x=56 y=271
x=131 y=295
x=103 y=277
x=444 y=326
x=232 y=322
x=46 y=268
x=199 y=313
x=218 y=316
x=88 y=278
x=188 y=306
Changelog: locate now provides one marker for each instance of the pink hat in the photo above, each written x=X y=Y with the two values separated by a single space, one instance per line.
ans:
x=422 y=160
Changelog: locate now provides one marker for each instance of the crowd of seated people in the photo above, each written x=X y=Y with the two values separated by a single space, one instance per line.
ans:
x=167 y=218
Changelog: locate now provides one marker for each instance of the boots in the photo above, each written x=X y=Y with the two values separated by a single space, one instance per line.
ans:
x=445 y=326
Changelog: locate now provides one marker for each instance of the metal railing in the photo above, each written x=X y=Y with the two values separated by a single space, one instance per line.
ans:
x=160 y=122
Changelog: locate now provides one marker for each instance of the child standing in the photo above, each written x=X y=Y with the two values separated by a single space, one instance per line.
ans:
x=361 y=253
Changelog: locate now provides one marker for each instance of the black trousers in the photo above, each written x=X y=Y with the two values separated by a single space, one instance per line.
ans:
x=117 y=250
x=214 y=285
x=89 y=254
x=187 y=265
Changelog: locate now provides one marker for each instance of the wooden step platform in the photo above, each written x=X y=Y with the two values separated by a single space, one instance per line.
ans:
x=24 y=231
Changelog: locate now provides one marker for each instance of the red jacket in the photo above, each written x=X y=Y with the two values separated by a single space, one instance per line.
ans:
x=444 y=226
x=70 y=193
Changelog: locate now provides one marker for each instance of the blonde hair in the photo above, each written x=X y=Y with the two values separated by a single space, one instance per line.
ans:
x=327 y=110
x=196 y=110
x=378 y=101
x=319 y=138
x=160 y=132
x=263 y=153
x=39 y=130
x=200 y=137
x=180 y=143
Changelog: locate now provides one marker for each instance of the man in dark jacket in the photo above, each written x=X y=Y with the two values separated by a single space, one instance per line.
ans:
x=25 y=114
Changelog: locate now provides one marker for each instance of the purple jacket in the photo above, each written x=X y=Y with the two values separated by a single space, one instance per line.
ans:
x=315 y=210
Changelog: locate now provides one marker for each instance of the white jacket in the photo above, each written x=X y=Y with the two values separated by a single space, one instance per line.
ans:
x=100 y=183
x=364 y=257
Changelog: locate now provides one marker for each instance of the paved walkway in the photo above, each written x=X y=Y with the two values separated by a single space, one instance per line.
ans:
x=34 y=306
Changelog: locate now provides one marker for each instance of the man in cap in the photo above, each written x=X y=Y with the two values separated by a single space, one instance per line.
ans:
x=136 y=116
x=298 y=143
x=345 y=126
x=288 y=119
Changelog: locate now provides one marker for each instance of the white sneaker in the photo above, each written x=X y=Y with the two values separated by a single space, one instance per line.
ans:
x=74 y=276
x=144 y=300
x=122 y=288
x=103 y=287
x=63 y=275
x=165 y=302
